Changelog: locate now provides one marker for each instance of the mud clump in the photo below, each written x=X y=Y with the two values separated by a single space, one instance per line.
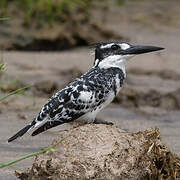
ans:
x=130 y=97
x=106 y=152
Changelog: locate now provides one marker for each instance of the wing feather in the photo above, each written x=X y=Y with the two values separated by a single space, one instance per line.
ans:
x=82 y=96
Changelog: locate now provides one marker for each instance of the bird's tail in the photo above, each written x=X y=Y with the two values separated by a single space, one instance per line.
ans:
x=21 y=132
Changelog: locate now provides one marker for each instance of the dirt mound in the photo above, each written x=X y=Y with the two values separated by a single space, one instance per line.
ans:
x=106 y=152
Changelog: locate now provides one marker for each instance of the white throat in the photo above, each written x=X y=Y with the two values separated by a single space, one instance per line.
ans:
x=114 y=61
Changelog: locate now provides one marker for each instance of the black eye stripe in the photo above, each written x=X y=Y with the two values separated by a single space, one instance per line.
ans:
x=115 y=47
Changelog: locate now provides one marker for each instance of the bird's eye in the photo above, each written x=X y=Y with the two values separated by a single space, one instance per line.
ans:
x=115 y=47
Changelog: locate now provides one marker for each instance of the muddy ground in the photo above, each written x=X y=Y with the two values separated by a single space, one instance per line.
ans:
x=153 y=78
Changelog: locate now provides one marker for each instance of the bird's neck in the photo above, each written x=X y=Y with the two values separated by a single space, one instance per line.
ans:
x=111 y=62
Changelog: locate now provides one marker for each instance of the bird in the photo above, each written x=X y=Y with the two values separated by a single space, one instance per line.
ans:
x=91 y=92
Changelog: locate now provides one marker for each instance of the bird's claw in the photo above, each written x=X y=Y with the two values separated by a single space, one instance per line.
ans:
x=100 y=121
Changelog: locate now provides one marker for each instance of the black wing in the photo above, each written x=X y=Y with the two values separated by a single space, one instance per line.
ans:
x=51 y=124
x=65 y=106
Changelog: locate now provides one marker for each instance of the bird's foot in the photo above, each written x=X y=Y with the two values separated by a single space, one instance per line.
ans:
x=75 y=124
x=100 y=121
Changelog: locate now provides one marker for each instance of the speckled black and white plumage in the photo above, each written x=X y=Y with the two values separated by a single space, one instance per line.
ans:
x=86 y=95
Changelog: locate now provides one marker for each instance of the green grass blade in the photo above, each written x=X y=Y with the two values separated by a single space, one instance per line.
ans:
x=2 y=67
x=50 y=148
x=15 y=92
x=4 y=19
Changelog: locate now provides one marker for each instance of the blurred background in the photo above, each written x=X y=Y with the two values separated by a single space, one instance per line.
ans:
x=48 y=43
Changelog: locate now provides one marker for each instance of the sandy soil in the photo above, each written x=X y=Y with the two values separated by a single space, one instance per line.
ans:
x=37 y=67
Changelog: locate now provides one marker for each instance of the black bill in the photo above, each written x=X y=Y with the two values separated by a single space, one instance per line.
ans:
x=142 y=49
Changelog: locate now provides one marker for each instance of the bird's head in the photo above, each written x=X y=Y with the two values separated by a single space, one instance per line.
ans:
x=115 y=54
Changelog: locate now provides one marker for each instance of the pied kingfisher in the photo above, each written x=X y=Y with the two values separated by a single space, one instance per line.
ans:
x=91 y=92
